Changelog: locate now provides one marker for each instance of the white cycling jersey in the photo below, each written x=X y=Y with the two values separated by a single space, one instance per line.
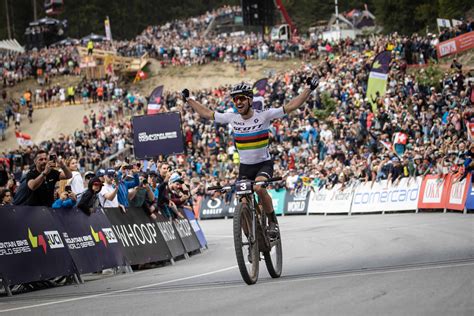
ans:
x=251 y=135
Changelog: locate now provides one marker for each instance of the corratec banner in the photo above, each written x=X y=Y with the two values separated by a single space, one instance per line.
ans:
x=158 y=134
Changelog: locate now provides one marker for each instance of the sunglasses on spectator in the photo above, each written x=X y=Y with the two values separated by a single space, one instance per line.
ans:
x=240 y=98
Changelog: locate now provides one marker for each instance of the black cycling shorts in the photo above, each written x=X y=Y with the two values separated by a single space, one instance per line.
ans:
x=250 y=172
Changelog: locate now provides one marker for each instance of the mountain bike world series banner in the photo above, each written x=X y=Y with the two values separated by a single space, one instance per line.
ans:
x=32 y=245
x=297 y=201
x=91 y=240
x=158 y=134
x=378 y=77
x=455 y=45
x=196 y=227
x=334 y=200
x=140 y=237
x=383 y=196
x=470 y=197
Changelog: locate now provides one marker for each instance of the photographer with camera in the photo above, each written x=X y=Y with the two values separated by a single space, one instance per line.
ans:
x=67 y=199
x=125 y=185
x=142 y=196
x=41 y=180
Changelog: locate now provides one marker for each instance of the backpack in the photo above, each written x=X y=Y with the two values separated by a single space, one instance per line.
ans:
x=23 y=192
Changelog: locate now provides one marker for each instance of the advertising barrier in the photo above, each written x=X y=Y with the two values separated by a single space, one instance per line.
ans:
x=297 y=201
x=470 y=197
x=90 y=239
x=334 y=200
x=382 y=196
x=187 y=234
x=212 y=208
x=140 y=237
x=457 y=193
x=278 y=198
x=433 y=192
x=456 y=45
x=32 y=247
x=196 y=227
x=171 y=236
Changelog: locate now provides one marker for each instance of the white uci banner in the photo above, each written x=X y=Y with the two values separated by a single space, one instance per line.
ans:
x=335 y=200
x=384 y=197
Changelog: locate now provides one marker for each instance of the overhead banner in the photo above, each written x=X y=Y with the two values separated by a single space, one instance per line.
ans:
x=378 y=77
x=158 y=134
x=196 y=227
x=171 y=236
x=433 y=192
x=297 y=202
x=91 y=241
x=140 y=237
x=32 y=247
x=383 y=196
x=108 y=31
x=334 y=200
x=456 y=45
x=278 y=199
x=155 y=101
x=212 y=208
x=457 y=193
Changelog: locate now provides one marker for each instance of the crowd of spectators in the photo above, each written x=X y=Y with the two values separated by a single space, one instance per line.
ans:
x=413 y=130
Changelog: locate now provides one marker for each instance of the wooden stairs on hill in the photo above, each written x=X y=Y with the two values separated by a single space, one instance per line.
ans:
x=102 y=62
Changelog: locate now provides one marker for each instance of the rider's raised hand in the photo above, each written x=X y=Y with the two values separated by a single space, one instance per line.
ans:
x=313 y=82
x=185 y=95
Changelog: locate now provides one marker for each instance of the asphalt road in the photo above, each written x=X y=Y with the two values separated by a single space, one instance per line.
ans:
x=394 y=264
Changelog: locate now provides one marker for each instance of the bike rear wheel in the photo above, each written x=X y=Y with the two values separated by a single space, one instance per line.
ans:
x=245 y=243
x=274 y=257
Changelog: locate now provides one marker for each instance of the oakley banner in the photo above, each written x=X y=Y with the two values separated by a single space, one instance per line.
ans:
x=140 y=237
x=158 y=134
x=171 y=236
x=213 y=208
x=297 y=201
x=91 y=240
x=32 y=246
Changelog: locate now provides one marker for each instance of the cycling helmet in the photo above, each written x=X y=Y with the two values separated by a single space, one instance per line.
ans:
x=242 y=89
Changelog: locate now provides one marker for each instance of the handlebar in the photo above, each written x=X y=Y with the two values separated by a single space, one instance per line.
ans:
x=230 y=186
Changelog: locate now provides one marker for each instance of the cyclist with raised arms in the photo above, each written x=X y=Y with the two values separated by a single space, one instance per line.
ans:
x=250 y=129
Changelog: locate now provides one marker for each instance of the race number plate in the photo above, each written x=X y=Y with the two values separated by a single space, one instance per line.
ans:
x=243 y=187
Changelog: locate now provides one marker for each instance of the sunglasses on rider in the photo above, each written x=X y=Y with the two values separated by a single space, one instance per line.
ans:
x=240 y=98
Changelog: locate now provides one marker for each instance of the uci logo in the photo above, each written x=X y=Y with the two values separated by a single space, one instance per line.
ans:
x=54 y=240
x=214 y=203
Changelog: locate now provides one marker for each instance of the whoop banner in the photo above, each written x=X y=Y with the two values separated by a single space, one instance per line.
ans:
x=158 y=134
x=32 y=246
x=171 y=236
x=140 y=237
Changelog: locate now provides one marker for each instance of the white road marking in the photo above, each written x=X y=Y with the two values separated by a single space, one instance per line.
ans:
x=115 y=292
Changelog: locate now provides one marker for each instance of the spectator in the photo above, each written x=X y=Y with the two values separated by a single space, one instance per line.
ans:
x=142 y=196
x=6 y=197
x=41 y=179
x=125 y=185
x=108 y=194
x=67 y=199
x=76 y=182
x=90 y=200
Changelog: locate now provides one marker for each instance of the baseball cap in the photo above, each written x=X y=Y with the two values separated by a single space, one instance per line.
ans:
x=110 y=172
x=152 y=173
x=100 y=173
x=89 y=174
x=96 y=180
x=175 y=177
x=395 y=159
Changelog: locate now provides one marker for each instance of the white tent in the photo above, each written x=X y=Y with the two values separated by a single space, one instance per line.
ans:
x=11 y=45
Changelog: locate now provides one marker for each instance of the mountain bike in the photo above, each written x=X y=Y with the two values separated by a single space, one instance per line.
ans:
x=251 y=234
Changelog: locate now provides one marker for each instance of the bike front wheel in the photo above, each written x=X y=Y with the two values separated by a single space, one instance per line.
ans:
x=274 y=257
x=245 y=243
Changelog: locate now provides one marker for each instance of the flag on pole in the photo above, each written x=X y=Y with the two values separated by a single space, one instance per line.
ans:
x=108 y=31
x=387 y=145
x=23 y=139
x=155 y=102
x=378 y=77
x=259 y=89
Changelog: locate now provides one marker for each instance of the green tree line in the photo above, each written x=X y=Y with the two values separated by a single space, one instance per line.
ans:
x=129 y=18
